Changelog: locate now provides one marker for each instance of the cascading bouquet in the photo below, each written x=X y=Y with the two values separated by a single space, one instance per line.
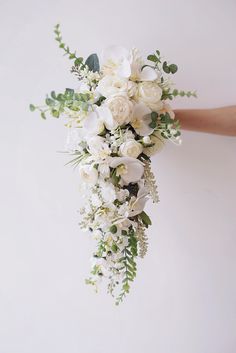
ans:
x=118 y=117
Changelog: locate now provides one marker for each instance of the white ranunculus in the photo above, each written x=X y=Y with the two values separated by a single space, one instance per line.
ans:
x=110 y=85
x=141 y=119
x=158 y=143
x=131 y=148
x=150 y=93
x=130 y=169
x=116 y=61
x=88 y=174
x=121 y=108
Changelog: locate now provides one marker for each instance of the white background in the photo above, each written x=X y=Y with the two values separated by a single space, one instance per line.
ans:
x=184 y=298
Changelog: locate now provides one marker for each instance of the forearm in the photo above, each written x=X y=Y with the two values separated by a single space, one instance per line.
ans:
x=217 y=120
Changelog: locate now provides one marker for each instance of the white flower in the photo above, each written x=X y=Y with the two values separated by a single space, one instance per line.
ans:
x=92 y=123
x=132 y=89
x=137 y=73
x=74 y=138
x=131 y=148
x=95 y=200
x=122 y=194
x=130 y=169
x=96 y=120
x=150 y=93
x=146 y=140
x=137 y=204
x=88 y=174
x=121 y=108
x=158 y=143
x=141 y=119
x=98 y=147
x=108 y=192
x=110 y=85
x=104 y=169
x=116 y=61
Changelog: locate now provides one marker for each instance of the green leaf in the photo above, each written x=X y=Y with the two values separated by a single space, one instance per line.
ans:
x=153 y=125
x=113 y=229
x=152 y=58
x=43 y=116
x=53 y=95
x=166 y=68
x=145 y=218
x=173 y=68
x=49 y=102
x=93 y=62
x=55 y=113
x=78 y=61
x=32 y=107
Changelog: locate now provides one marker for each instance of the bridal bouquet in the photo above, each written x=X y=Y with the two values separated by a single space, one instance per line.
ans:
x=117 y=117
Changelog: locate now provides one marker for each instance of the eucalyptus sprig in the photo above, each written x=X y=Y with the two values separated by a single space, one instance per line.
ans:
x=78 y=61
x=167 y=68
x=55 y=104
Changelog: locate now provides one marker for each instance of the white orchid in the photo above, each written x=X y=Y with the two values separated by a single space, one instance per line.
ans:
x=137 y=204
x=140 y=72
x=116 y=61
x=98 y=119
x=130 y=169
x=141 y=119
x=88 y=174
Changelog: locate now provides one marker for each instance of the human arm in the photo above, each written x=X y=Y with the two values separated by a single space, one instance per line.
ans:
x=215 y=120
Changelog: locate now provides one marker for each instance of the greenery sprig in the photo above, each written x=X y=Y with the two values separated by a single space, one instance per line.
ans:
x=78 y=61
x=55 y=104
x=129 y=264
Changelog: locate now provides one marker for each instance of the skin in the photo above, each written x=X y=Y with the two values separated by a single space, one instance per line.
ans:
x=221 y=121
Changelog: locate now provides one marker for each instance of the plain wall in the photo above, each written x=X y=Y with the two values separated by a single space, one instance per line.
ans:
x=183 y=300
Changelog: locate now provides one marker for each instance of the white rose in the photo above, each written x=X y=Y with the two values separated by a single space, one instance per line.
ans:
x=121 y=108
x=110 y=85
x=88 y=174
x=158 y=143
x=150 y=93
x=131 y=148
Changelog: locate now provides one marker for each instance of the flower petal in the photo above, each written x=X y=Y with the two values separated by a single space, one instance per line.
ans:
x=148 y=74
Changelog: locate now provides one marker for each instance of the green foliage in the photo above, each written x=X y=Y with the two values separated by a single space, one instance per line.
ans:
x=188 y=94
x=145 y=219
x=129 y=264
x=78 y=61
x=55 y=104
x=113 y=229
x=93 y=63
x=172 y=68
x=154 y=117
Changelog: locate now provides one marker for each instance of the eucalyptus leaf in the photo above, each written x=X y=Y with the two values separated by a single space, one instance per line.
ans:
x=93 y=62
